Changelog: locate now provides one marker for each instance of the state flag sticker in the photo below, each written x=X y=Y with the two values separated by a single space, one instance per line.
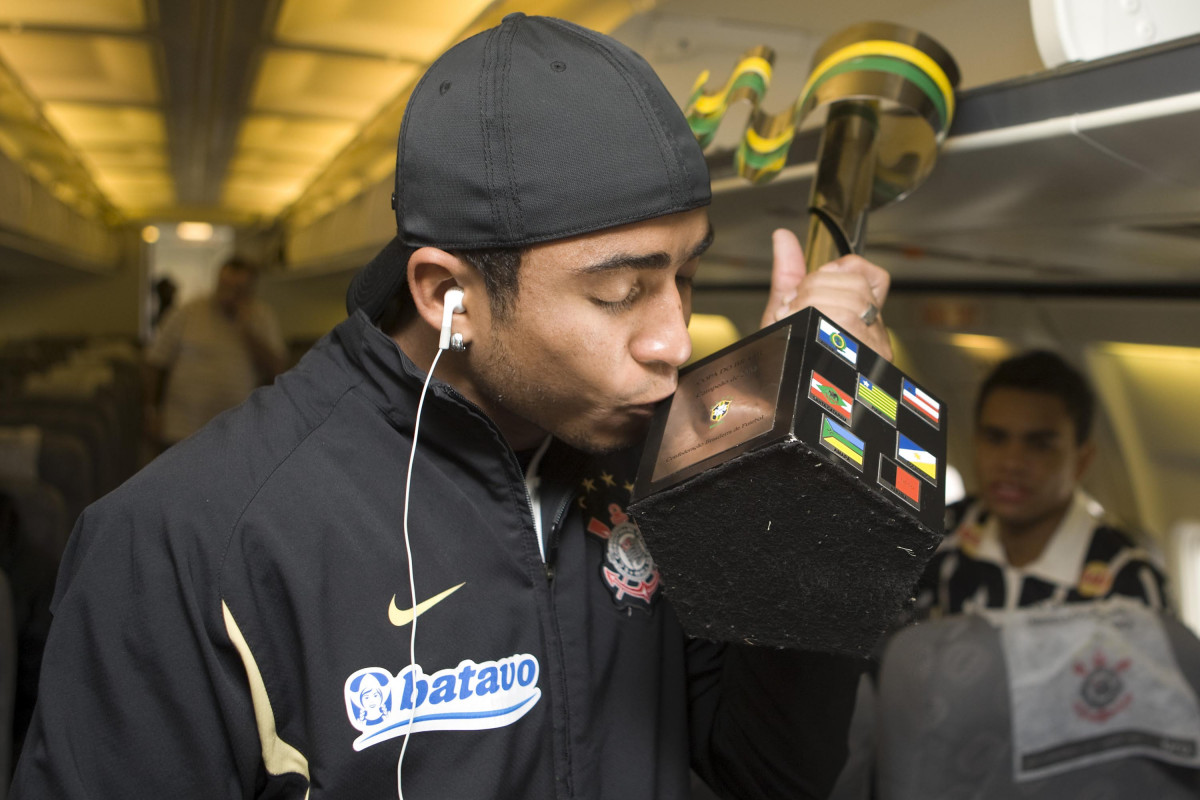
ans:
x=923 y=462
x=921 y=403
x=900 y=482
x=841 y=440
x=876 y=399
x=822 y=391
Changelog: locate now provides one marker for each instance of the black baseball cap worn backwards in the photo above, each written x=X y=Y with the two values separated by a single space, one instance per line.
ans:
x=535 y=130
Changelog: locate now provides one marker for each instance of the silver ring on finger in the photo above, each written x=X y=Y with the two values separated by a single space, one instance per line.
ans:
x=870 y=315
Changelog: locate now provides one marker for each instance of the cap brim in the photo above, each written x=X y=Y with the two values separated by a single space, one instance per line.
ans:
x=380 y=280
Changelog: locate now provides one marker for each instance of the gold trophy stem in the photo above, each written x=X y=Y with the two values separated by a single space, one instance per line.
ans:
x=844 y=181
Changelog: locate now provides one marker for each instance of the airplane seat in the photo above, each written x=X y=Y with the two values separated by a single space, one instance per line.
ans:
x=945 y=725
x=93 y=389
x=8 y=681
x=64 y=386
x=122 y=443
x=64 y=463
x=118 y=362
x=107 y=372
x=30 y=552
x=127 y=387
x=59 y=459
x=1185 y=646
x=77 y=419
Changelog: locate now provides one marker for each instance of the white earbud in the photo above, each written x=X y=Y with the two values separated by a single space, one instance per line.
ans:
x=453 y=304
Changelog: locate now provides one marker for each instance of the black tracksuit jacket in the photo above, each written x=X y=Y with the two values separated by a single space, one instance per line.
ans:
x=225 y=624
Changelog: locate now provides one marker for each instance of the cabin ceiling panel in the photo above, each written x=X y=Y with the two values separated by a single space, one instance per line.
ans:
x=325 y=86
x=409 y=29
x=991 y=40
x=819 y=16
x=87 y=126
x=84 y=68
x=1164 y=147
x=251 y=194
x=269 y=107
x=108 y=14
x=370 y=156
x=271 y=165
x=138 y=191
x=307 y=137
x=1061 y=179
x=1099 y=254
x=117 y=160
x=55 y=59
x=15 y=106
x=1161 y=383
x=284 y=154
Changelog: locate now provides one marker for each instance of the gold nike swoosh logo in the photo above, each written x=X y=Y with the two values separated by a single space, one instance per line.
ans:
x=401 y=617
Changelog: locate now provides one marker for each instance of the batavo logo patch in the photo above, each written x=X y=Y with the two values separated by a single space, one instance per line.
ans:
x=469 y=697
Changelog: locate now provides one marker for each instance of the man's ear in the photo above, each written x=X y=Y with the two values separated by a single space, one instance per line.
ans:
x=1087 y=451
x=433 y=272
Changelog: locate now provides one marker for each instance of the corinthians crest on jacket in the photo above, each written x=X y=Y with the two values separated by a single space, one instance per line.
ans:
x=628 y=569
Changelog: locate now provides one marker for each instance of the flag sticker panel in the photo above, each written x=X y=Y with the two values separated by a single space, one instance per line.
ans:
x=917 y=457
x=921 y=404
x=842 y=441
x=900 y=482
x=838 y=342
x=876 y=399
x=822 y=391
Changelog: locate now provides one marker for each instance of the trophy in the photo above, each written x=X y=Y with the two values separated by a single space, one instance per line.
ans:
x=792 y=489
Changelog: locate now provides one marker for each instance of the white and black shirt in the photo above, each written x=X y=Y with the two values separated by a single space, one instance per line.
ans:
x=1084 y=560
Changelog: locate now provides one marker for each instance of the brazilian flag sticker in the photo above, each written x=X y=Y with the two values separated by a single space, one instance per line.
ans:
x=838 y=342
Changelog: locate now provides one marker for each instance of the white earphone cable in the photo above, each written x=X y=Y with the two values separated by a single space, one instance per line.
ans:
x=412 y=586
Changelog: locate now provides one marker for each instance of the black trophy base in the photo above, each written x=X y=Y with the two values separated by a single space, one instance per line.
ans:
x=805 y=556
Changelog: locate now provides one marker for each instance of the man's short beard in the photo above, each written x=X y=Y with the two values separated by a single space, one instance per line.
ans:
x=499 y=381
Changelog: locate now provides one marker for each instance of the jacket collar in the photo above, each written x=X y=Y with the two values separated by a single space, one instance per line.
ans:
x=392 y=382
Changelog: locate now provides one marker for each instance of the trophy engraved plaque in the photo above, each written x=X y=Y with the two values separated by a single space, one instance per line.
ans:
x=792 y=490
x=723 y=407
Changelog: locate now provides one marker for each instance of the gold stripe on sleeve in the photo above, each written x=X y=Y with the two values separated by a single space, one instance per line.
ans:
x=278 y=756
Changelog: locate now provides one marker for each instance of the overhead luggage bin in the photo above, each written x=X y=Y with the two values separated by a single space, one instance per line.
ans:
x=1072 y=174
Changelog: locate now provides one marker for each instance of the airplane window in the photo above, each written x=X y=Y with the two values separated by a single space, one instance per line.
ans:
x=1187 y=546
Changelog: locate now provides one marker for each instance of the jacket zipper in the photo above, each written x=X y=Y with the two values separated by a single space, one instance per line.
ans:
x=557 y=636
x=551 y=546
x=556 y=533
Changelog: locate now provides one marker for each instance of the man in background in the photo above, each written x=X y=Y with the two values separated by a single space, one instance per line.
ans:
x=209 y=354
x=1032 y=535
x=164 y=295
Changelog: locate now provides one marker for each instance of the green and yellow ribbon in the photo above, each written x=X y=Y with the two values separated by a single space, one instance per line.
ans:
x=763 y=150
x=749 y=81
